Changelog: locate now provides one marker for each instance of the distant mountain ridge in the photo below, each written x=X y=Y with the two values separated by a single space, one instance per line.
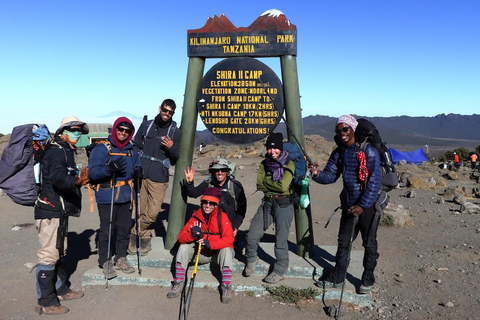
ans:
x=441 y=132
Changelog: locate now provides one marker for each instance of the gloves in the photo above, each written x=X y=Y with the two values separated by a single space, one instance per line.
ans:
x=206 y=244
x=117 y=166
x=196 y=230
x=137 y=178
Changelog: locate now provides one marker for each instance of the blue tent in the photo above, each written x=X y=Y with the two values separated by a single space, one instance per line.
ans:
x=415 y=157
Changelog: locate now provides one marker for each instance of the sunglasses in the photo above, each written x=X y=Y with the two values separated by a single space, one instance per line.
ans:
x=170 y=112
x=344 y=129
x=210 y=203
x=126 y=130
x=75 y=129
x=222 y=170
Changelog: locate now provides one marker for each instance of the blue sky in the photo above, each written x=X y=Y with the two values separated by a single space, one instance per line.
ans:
x=373 y=58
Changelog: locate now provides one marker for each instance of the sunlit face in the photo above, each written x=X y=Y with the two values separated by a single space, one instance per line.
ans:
x=208 y=206
x=166 y=112
x=345 y=133
x=123 y=133
x=274 y=153
x=221 y=175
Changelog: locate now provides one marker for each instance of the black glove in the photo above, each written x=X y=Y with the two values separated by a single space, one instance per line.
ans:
x=196 y=232
x=117 y=166
x=206 y=244
x=137 y=178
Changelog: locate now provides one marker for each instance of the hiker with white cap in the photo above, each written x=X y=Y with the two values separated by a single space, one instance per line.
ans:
x=59 y=198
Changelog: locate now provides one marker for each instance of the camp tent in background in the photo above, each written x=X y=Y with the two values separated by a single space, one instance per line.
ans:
x=416 y=157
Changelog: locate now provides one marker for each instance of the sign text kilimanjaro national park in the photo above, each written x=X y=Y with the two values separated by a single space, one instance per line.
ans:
x=270 y=35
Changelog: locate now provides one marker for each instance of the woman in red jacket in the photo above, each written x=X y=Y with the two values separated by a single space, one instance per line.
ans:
x=212 y=228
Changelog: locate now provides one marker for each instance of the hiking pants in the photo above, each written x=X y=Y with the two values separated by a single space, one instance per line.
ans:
x=270 y=212
x=186 y=252
x=151 y=199
x=369 y=243
x=121 y=225
x=51 y=277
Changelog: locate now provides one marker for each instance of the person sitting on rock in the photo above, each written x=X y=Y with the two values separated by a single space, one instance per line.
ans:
x=210 y=228
x=232 y=200
x=357 y=199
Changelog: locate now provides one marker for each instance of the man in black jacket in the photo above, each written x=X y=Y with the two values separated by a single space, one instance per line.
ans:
x=157 y=142
x=60 y=197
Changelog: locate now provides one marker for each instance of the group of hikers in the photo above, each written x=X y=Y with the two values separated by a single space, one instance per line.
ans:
x=134 y=161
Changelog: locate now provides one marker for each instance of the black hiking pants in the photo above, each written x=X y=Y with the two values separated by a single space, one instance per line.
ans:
x=121 y=225
x=368 y=230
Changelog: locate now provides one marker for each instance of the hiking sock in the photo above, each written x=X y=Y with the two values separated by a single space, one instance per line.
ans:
x=179 y=272
x=226 y=275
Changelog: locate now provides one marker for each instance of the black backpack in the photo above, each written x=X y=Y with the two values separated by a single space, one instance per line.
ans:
x=367 y=133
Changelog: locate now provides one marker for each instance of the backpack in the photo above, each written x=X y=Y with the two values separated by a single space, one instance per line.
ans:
x=367 y=133
x=296 y=155
x=20 y=172
x=230 y=189
x=171 y=132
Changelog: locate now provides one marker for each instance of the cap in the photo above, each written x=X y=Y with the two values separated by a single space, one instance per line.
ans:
x=70 y=121
x=212 y=194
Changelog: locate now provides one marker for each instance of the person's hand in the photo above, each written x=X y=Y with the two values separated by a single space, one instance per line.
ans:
x=313 y=170
x=117 y=166
x=138 y=172
x=82 y=179
x=235 y=232
x=355 y=210
x=205 y=243
x=189 y=174
x=167 y=142
x=196 y=229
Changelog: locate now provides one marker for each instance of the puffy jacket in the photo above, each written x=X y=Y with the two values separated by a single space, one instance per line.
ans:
x=343 y=161
x=58 y=180
x=149 y=145
x=216 y=241
x=236 y=217
x=100 y=177
x=282 y=187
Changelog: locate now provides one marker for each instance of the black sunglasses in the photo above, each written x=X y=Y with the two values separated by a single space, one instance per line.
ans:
x=75 y=129
x=126 y=130
x=171 y=112
x=344 y=129
x=210 y=203
x=222 y=170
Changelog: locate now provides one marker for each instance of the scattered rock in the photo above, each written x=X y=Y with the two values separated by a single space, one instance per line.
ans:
x=396 y=215
x=470 y=208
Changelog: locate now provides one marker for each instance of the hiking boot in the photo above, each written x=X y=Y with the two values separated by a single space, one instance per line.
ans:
x=111 y=272
x=177 y=287
x=365 y=289
x=226 y=293
x=71 y=295
x=273 y=278
x=123 y=265
x=250 y=268
x=327 y=284
x=132 y=244
x=146 y=246
x=53 y=310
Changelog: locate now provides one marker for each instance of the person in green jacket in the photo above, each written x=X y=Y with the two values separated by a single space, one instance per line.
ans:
x=274 y=178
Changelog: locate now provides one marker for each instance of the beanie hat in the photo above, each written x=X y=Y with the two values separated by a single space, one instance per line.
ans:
x=275 y=140
x=348 y=120
x=212 y=194
x=70 y=121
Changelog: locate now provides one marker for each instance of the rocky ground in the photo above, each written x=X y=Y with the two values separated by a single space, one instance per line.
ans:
x=428 y=269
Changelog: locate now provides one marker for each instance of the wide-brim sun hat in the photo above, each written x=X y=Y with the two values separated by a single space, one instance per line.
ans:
x=70 y=121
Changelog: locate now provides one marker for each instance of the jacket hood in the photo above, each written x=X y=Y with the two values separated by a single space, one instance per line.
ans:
x=113 y=135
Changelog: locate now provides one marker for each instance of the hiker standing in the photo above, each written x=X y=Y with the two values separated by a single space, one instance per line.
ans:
x=233 y=197
x=158 y=144
x=59 y=198
x=274 y=178
x=361 y=183
x=473 y=159
x=211 y=227
x=113 y=164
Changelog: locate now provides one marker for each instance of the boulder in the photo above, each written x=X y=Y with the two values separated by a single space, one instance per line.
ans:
x=395 y=215
x=470 y=208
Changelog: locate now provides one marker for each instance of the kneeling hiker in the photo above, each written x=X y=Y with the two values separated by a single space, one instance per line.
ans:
x=274 y=178
x=113 y=164
x=361 y=182
x=212 y=228
x=232 y=200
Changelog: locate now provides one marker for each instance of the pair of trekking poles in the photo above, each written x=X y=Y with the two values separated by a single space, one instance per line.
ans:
x=137 y=217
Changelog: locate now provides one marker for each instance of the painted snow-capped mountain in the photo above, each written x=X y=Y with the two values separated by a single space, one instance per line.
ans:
x=270 y=20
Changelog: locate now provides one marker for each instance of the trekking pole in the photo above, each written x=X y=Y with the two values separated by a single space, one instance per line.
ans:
x=354 y=223
x=137 y=216
x=110 y=232
x=188 y=296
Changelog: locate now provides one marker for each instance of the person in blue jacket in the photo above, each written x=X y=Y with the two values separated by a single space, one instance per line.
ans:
x=115 y=163
x=361 y=184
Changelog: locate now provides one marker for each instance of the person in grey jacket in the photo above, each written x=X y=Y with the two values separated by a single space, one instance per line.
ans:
x=361 y=183
x=157 y=142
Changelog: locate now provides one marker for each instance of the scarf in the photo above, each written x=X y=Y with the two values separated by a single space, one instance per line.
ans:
x=362 y=170
x=160 y=123
x=277 y=166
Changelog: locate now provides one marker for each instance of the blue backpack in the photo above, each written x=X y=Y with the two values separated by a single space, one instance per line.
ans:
x=296 y=155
